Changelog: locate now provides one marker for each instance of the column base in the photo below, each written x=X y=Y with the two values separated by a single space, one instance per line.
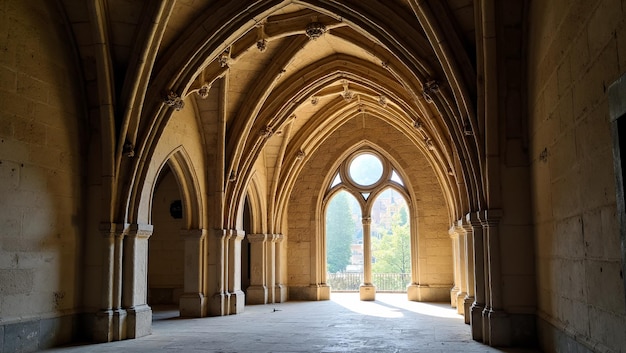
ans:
x=428 y=293
x=217 y=304
x=256 y=295
x=499 y=328
x=467 y=305
x=281 y=293
x=139 y=321
x=237 y=302
x=119 y=324
x=453 y=296
x=476 y=321
x=367 y=292
x=192 y=305
x=102 y=331
x=460 y=303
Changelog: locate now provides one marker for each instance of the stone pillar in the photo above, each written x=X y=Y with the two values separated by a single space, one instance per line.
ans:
x=462 y=269
x=119 y=313
x=498 y=329
x=103 y=323
x=270 y=269
x=454 y=236
x=413 y=291
x=237 y=296
x=216 y=276
x=476 y=318
x=280 y=290
x=135 y=286
x=192 y=301
x=367 y=291
x=469 y=273
x=257 y=292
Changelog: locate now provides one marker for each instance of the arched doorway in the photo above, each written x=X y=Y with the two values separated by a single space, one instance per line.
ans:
x=166 y=250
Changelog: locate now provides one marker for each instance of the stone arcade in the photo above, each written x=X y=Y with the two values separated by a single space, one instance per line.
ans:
x=181 y=151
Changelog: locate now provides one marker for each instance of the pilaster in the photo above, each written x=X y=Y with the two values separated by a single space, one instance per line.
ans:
x=498 y=328
x=462 y=268
x=257 y=292
x=134 y=295
x=192 y=302
x=454 y=236
x=110 y=319
x=237 y=299
x=478 y=306
x=469 y=265
x=280 y=290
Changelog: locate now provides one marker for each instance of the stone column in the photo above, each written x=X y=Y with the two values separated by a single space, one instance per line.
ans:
x=257 y=292
x=237 y=296
x=270 y=270
x=462 y=269
x=135 y=286
x=476 y=318
x=119 y=313
x=192 y=301
x=216 y=273
x=454 y=236
x=103 y=323
x=498 y=330
x=280 y=295
x=469 y=273
x=367 y=291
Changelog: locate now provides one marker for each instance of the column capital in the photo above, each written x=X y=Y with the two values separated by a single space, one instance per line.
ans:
x=140 y=230
x=490 y=217
x=277 y=238
x=193 y=233
x=453 y=232
x=473 y=218
x=257 y=238
x=237 y=234
x=109 y=230
x=366 y=220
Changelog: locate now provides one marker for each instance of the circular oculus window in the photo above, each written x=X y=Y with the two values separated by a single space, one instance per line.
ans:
x=366 y=169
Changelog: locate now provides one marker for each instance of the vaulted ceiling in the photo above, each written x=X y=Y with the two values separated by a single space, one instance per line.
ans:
x=286 y=74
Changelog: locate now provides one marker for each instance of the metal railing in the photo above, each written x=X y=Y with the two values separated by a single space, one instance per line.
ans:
x=384 y=282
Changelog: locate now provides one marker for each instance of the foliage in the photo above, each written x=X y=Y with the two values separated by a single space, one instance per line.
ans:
x=340 y=228
x=393 y=250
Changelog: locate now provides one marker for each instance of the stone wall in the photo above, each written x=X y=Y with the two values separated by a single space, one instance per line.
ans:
x=41 y=178
x=576 y=50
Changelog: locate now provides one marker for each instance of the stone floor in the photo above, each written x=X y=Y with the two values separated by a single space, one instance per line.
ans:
x=343 y=324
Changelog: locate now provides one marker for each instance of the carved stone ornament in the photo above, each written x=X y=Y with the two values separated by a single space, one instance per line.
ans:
x=300 y=156
x=233 y=176
x=266 y=132
x=128 y=150
x=418 y=124
x=224 y=58
x=203 y=92
x=174 y=100
x=314 y=100
x=347 y=94
x=429 y=144
x=467 y=128
x=430 y=88
x=315 y=30
x=382 y=100
x=261 y=44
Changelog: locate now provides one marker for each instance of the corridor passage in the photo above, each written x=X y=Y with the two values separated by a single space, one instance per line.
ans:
x=343 y=324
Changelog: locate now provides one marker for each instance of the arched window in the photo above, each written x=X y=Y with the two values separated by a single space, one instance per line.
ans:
x=366 y=175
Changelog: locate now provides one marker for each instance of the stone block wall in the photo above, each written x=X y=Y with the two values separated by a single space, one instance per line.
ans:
x=41 y=178
x=576 y=50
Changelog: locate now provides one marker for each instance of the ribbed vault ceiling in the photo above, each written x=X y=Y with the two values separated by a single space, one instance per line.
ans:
x=283 y=92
